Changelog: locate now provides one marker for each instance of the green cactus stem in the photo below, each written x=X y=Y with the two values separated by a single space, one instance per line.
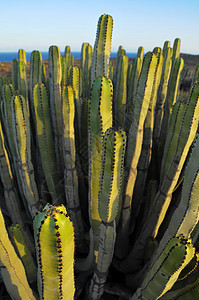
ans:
x=83 y=151
x=100 y=119
x=195 y=78
x=55 y=76
x=12 y=269
x=70 y=172
x=86 y=61
x=186 y=135
x=22 y=55
x=22 y=139
x=187 y=291
x=171 y=96
x=132 y=85
x=9 y=93
x=20 y=243
x=74 y=81
x=22 y=79
x=166 y=45
x=109 y=196
x=185 y=217
x=120 y=52
x=145 y=157
x=54 y=239
x=165 y=271
x=106 y=249
x=45 y=142
x=120 y=92
x=176 y=49
x=43 y=76
x=64 y=71
x=111 y=174
x=67 y=50
x=102 y=48
x=22 y=73
x=10 y=193
x=35 y=72
x=140 y=53
x=110 y=70
x=15 y=73
x=172 y=137
x=69 y=57
x=162 y=92
x=135 y=139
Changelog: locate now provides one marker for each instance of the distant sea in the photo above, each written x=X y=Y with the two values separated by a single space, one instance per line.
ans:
x=9 y=56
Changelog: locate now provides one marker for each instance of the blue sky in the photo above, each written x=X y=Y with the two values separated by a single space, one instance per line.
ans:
x=36 y=25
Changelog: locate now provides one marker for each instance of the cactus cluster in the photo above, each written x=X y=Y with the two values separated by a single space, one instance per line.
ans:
x=99 y=175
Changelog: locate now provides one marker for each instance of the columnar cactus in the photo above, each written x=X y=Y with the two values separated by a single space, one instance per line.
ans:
x=166 y=269
x=55 y=76
x=114 y=143
x=12 y=269
x=171 y=94
x=102 y=48
x=162 y=92
x=45 y=141
x=145 y=157
x=62 y=141
x=186 y=135
x=132 y=85
x=21 y=128
x=100 y=119
x=70 y=173
x=15 y=73
x=54 y=239
x=120 y=92
x=86 y=61
x=134 y=144
x=18 y=238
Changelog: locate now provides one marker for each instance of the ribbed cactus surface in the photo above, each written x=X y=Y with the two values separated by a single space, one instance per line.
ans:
x=99 y=174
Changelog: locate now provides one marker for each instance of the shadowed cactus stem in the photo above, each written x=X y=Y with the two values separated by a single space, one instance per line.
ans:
x=12 y=269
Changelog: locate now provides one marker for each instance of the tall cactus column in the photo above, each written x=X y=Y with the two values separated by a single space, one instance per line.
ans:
x=22 y=143
x=102 y=48
x=114 y=143
x=185 y=130
x=100 y=119
x=134 y=144
x=46 y=143
x=70 y=171
x=55 y=76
